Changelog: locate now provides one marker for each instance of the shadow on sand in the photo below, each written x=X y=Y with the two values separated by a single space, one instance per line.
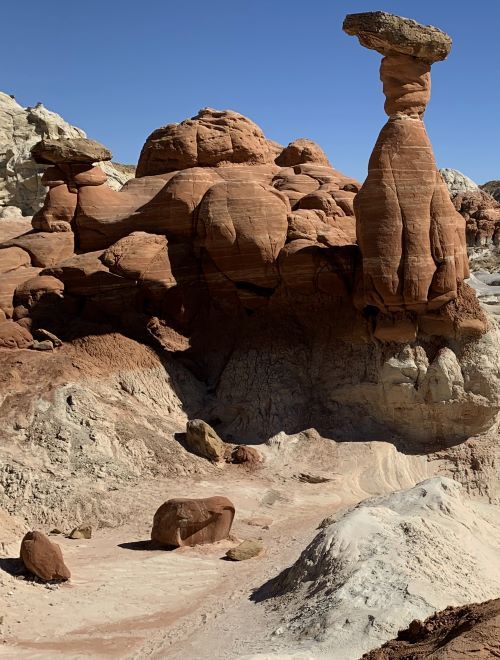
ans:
x=13 y=566
x=270 y=589
x=146 y=545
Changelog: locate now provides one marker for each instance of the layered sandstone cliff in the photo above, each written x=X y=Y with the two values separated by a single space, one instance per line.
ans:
x=248 y=265
x=295 y=296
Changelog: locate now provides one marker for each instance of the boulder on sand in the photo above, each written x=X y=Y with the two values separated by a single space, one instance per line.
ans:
x=245 y=454
x=181 y=522
x=81 y=532
x=245 y=550
x=43 y=558
x=202 y=440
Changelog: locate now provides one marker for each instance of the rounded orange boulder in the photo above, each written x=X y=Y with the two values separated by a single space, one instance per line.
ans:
x=181 y=522
x=43 y=558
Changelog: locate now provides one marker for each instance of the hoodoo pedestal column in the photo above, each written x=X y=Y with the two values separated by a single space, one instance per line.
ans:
x=411 y=238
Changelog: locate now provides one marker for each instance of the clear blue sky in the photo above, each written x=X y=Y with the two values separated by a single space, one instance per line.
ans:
x=119 y=69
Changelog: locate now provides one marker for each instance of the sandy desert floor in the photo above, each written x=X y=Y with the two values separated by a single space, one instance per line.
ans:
x=126 y=600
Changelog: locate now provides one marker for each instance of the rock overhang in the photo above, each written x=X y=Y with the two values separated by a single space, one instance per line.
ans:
x=387 y=34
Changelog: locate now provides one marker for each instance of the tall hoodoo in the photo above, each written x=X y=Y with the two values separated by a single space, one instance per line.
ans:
x=411 y=238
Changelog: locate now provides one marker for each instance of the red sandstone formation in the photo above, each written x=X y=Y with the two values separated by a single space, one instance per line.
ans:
x=43 y=558
x=470 y=631
x=245 y=454
x=143 y=258
x=45 y=248
x=12 y=259
x=302 y=151
x=242 y=227
x=221 y=224
x=210 y=138
x=58 y=209
x=482 y=217
x=9 y=282
x=13 y=335
x=229 y=228
x=411 y=238
x=183 y=522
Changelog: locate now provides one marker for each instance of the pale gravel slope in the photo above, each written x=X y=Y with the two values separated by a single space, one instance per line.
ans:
x=385 y=562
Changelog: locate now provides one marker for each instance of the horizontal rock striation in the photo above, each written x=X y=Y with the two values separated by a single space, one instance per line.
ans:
x=412 y=239
x=286 y=286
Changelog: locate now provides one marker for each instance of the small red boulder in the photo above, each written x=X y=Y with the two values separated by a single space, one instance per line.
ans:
x=43 y=558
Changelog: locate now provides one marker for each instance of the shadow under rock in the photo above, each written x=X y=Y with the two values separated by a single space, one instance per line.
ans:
x=194 y=375
x=147 y=545
x=180 y=437
x=13 y=566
